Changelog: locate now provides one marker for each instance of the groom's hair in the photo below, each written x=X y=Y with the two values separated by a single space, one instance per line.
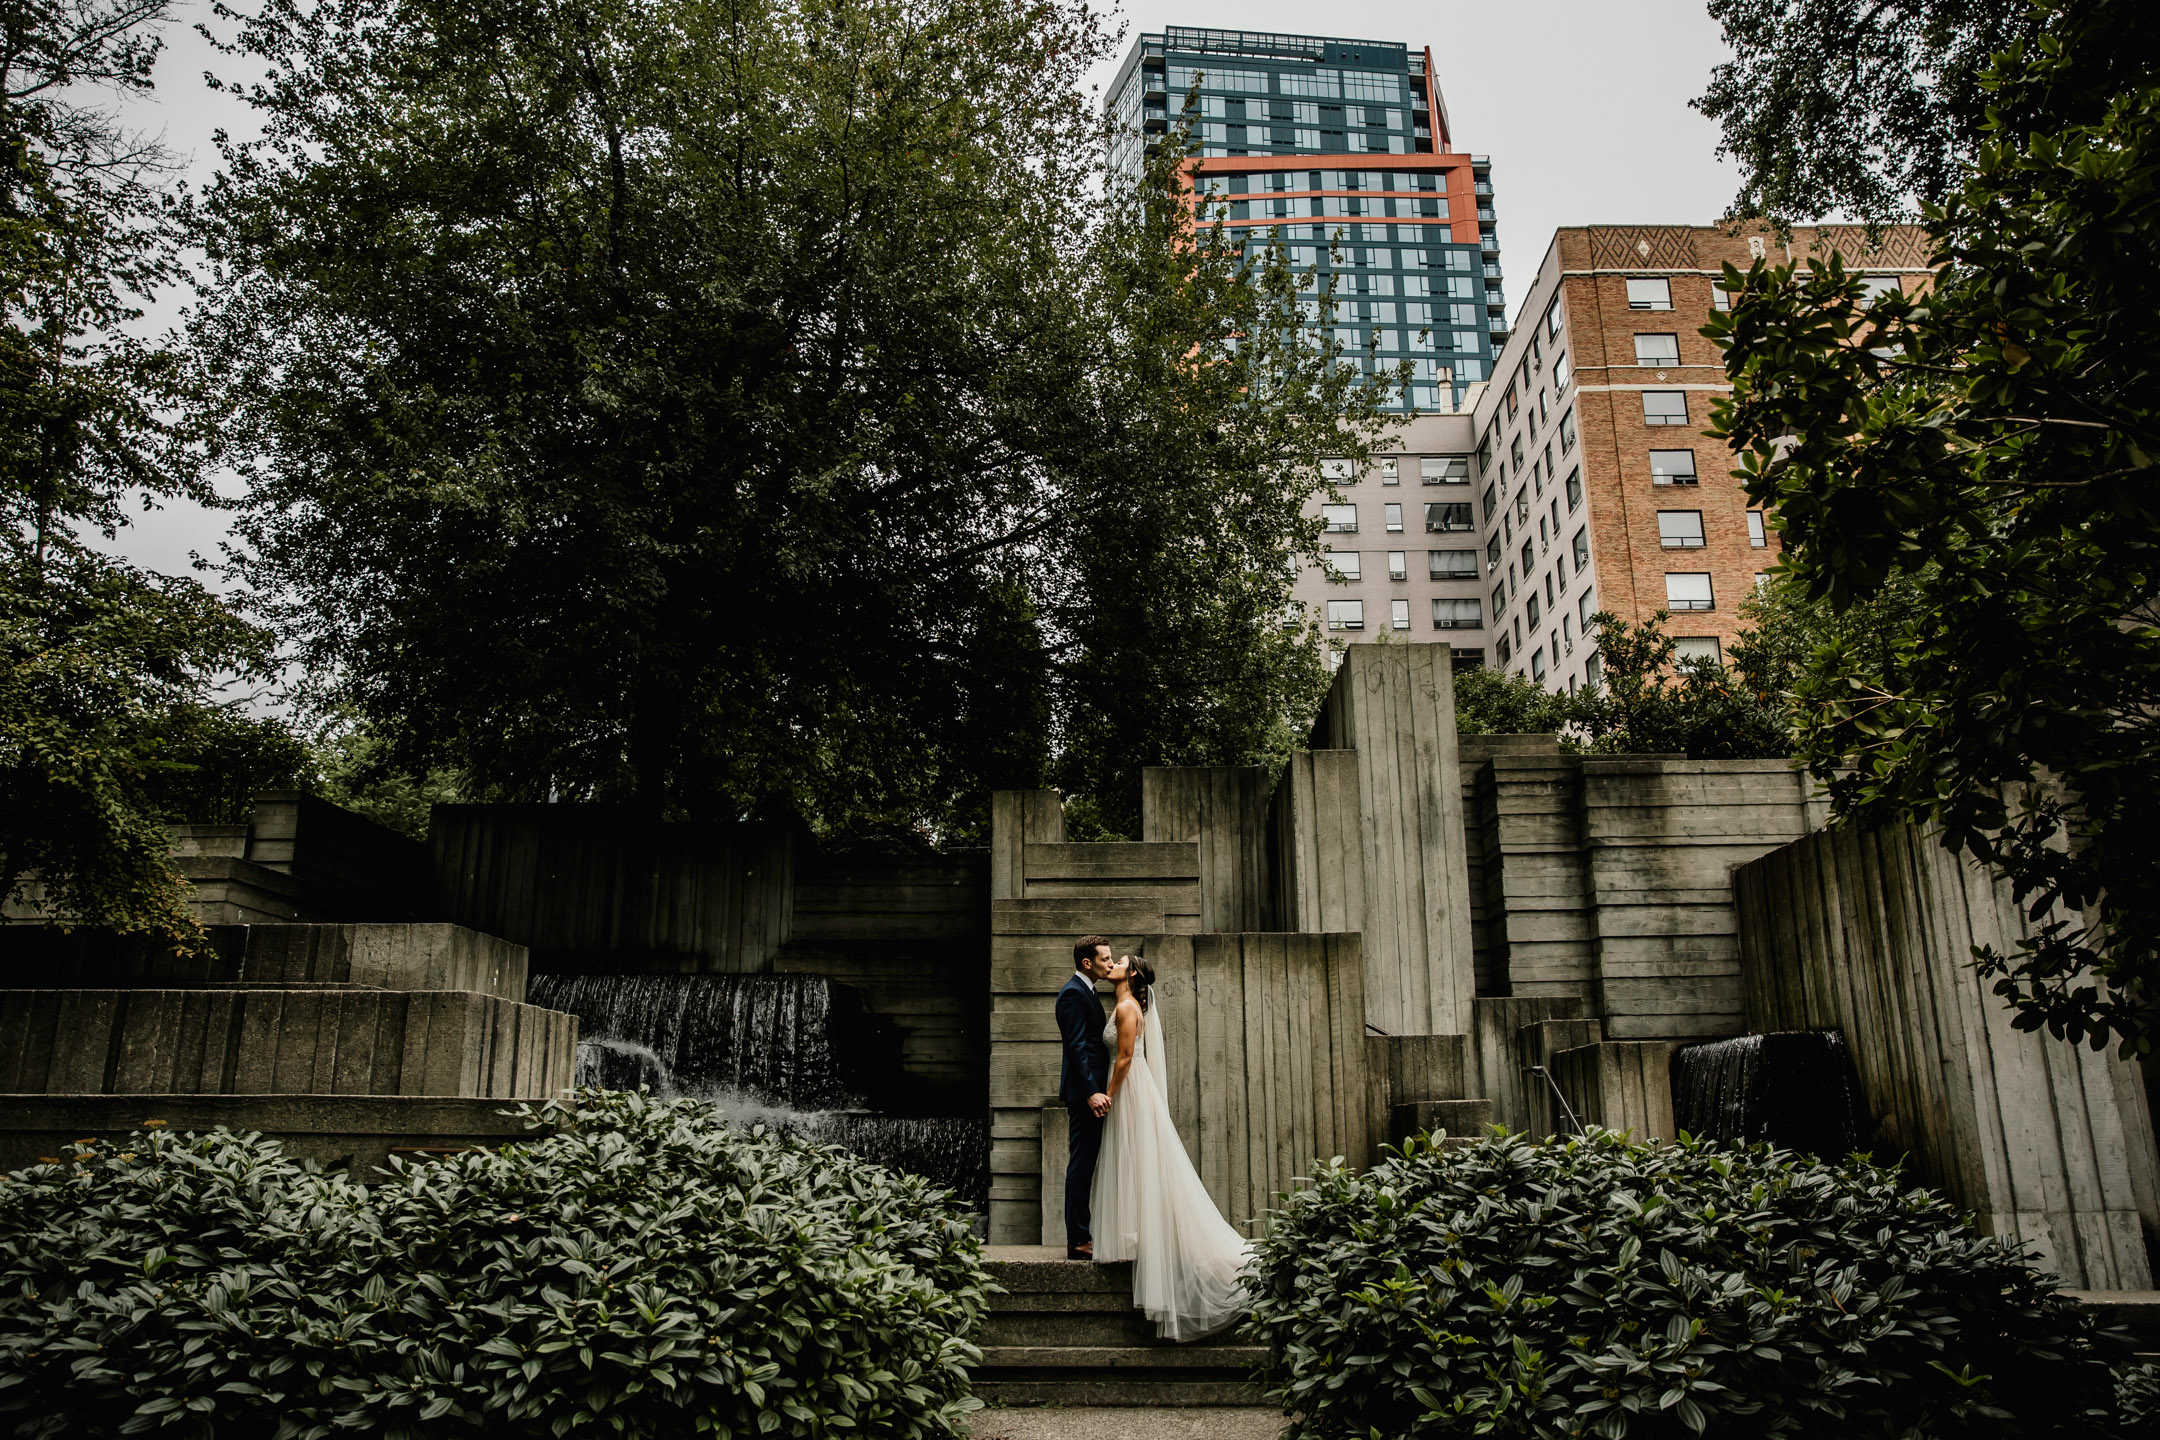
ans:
x=1085 y=947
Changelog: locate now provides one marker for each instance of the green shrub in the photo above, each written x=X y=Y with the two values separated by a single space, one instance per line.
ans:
x=1598 y=1287
x=643 y=1270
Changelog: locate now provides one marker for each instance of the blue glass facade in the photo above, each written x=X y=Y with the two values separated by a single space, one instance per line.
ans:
x=1313 y=143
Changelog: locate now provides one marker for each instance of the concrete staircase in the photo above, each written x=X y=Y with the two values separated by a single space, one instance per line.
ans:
x=1066 y=1333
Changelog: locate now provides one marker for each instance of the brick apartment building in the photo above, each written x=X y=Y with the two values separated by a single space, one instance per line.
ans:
x=1597 y=489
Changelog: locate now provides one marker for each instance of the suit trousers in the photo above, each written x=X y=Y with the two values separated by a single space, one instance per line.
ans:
x=1084 y=1143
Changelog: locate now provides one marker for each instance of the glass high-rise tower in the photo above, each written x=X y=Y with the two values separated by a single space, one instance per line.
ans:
x=1312 y=141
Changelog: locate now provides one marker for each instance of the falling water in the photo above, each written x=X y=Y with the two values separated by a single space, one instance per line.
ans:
x=1793 y=1088
x=797 y=1052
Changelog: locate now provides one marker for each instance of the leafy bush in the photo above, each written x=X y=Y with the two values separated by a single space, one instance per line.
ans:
x=643 y=1270
x=1599 y=1287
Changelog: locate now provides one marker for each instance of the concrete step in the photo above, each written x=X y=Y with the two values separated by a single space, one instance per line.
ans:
x=1125 y=1326
x=1200 y=1356
x=1141 y=1392
x=1463 y=1120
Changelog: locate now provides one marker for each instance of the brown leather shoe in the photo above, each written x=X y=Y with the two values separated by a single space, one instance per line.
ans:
x=1080 y=1252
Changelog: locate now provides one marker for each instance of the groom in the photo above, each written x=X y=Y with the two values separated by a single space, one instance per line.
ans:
x=1082 y=1081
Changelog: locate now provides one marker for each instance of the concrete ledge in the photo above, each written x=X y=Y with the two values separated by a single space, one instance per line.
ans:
x=1139 y=1392
x=307 y=1041
x=1104 y=1357
x=353 y=1132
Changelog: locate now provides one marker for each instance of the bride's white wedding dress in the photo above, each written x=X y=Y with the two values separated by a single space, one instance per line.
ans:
x=1148 y=1205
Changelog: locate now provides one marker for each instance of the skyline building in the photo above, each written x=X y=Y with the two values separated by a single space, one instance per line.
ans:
x=1597 y=488
x=1340 y=151
x=1322 y=144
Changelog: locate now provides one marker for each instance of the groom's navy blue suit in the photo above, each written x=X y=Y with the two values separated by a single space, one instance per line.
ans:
x=1086 y=1072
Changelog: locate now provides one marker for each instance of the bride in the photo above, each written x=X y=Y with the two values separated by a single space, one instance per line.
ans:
x=1148 y=1203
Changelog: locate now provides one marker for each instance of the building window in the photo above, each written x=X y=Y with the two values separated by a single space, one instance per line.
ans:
x=1347 y=563
x=1755 y=535
x=1720 y=297
x=1574 y=490
x=1664 y=407
x=1688 y=592
x=1456 y=615
x=1454 y=564
x=1560 y=372
x=1499 y=599
x=1448 y=516
x=1582 y=548
x=1680 y=529
x=1661 y=351
x=1522 y=505
x=1398 y=565
x=1552 y=319
x=1530 y=608
x=1697 y=647
x=1334 y=471
x=1492 y=505
x=1670 y=467
x=1567 y=432
x=1339 y=519
x=1653 y=293
x=1391 y=472
x=1874 y=287
x=1345 y=614
x=1503 y=649
x=1537 y=664
x=1529 y=558
x=1585 y=607
x=1399 y=614
x=1592 y=672
x=1394 y=517
x=1445 y=469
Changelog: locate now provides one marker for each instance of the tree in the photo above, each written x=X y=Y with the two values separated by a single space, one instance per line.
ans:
x=110 y=722
x=1860 y=107
x=1648 y=702
x=746 y=406
x=1989 y=448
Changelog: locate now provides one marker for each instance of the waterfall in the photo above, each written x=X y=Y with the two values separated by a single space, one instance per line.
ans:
x=797 y=1052
x=1792 y=1088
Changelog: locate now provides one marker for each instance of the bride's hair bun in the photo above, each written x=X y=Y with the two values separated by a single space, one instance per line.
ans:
x=1143 y=980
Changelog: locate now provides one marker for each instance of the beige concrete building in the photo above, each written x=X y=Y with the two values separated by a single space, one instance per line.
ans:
x=1596 y=487
x=1404 y=557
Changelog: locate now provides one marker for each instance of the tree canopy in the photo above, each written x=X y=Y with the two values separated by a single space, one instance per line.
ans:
x=1986 y=451
x=112 y=719
x=754 y=406
x=1858 y=107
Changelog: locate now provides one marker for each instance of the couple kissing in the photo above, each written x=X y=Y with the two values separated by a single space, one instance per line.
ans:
x=1131 y=1192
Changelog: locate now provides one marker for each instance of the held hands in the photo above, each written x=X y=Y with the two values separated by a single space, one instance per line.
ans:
x=1100 y=1104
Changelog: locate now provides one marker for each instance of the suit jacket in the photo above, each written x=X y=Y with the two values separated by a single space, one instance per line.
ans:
x=1086 y=1070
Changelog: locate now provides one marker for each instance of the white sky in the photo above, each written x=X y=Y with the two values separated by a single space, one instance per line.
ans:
x=1582 y=105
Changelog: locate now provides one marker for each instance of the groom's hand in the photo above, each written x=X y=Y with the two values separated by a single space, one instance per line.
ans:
x=1100 y=1104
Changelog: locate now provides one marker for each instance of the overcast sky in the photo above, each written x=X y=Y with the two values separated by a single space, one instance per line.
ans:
x=1582 y=105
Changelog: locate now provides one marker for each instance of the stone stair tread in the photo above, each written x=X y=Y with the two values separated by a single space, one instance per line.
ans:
x=1089 y=1357
x=1153 y=1391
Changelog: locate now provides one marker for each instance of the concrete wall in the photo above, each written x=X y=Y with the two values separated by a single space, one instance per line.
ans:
x=606 y=888
x=327 y=1040
x=1046 y=892
x=1265 y=1036
x=2048 y=1143
x=1608 y=878
x=358 y=1134
x=1394 y=707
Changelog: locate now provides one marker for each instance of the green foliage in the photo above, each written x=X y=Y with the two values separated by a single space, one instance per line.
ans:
x=1495 y=702
x=109 y=728
x=356 y=770
x=1598 y=1287
x=644 y=1270
x=1989 y=450
x=1854 y=107
x=755 y=407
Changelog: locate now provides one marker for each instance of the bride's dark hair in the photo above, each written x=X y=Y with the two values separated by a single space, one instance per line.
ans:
x=1143 y=981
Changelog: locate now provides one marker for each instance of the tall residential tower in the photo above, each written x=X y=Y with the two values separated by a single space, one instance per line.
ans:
x=1339 y=151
